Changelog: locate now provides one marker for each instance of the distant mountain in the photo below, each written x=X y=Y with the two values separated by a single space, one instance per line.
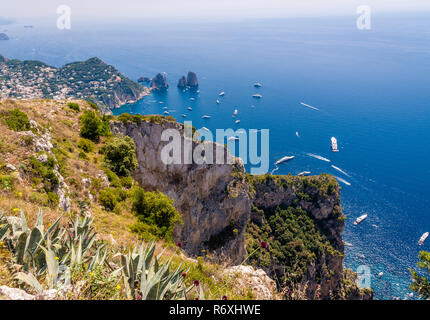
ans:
x=91 y=79
x=3 y=36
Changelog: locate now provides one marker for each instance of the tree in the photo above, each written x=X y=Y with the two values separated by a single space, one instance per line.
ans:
x=421 y=284
x=155 y=208
x=91 y=126
x=120 y=155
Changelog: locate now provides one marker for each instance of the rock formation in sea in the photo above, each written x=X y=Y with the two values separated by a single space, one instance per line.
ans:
x=3 y=36
x=159 y=82
x=189 y=81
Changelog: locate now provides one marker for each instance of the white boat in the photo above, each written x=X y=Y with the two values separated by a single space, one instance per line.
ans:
x=334 y=147
x=235 y=112
x=360 y=219
x=222 y=94
x=297 y=134
x=380 y=274
x=233 y=138
x=287 y=158
x=237 y=121
x=189 y=108
x=304 y=173
x=217 y=101
x=192 y=99
x=206 y=117
x=204 y=128
x=258 y=85
x=423 y=238
x=166 y=112
x=184 y=115
x=257 y=96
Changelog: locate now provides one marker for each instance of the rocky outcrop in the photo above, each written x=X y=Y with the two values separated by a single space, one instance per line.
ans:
x=144 y=80
x=189 y=81
x=210 y=197
x=256 y=281
x=159 y=82
x=2 y=59
x=215 y=201
x=3 y=36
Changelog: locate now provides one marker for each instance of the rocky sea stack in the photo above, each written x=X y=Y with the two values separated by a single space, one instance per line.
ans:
x=159 y=82
x=189 y=81
x=144 y=80
x=3 y=36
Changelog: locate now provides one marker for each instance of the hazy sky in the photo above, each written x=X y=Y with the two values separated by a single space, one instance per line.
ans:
x=201 y=9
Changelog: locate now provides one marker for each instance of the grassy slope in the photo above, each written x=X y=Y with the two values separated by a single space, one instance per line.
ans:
x=63 y=125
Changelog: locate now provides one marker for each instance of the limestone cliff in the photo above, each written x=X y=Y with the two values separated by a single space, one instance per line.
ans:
x=223 y=207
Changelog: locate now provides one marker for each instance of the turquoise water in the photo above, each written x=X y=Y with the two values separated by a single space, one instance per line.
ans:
x=371 y=89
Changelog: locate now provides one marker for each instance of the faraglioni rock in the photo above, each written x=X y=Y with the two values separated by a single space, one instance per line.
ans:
x=190 y=81
x=3 y=36
x=159 y=82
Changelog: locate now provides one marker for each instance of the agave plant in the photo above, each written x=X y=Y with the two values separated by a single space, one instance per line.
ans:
x=4 y=227
x=145 y=279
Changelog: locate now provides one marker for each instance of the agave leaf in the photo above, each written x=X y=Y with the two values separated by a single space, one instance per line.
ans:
x=24 y=227
x=20 y=248
x=30 y=280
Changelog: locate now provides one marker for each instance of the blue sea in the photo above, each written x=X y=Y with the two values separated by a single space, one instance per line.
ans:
x=371 y=88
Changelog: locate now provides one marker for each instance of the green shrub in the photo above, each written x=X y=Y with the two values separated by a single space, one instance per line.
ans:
x=6 y=182
x=421 y=280
x=127 y=182
x=91 y=126
x=155 y=208
x=120 y=156
x=74 y=106
x=92 y=105
x=53 y=199
x=108 y=199
x=17 y=120
x=86 y=145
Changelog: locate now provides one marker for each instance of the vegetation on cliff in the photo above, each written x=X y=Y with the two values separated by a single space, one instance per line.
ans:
x=421 y=279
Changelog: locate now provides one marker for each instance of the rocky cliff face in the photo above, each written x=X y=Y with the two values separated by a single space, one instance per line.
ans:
x=219 y=201
x=210 y=198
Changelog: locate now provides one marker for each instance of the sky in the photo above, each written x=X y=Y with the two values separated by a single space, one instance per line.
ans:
x=200 y=9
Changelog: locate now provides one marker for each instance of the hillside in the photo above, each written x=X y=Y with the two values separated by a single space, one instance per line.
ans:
x=68 y=160
x=90 y=80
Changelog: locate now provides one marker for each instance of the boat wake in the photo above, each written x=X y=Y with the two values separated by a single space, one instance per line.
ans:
x=340 y=170
x=342 y=180
x=318 y=157
x=309 y=106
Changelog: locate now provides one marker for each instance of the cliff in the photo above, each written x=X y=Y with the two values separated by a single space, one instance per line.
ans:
x=228 y=212
x=159 y=82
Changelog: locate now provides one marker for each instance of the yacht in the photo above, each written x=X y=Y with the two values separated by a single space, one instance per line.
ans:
x=258 y=85
x=217 y=101
x=423 y=238
x=222 y=94
x=287 y=158
x=235 y=112
x=304 y=173
x=237 y=121
x=257 y=96
x=334 y=147
x=189 y=108
x=206 y=117
x=360 y=219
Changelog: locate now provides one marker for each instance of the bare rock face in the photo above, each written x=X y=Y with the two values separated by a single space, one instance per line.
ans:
x=209 y=196
x=159 y=82
x=255 y=280
x=14 y=294
x=182 y=83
